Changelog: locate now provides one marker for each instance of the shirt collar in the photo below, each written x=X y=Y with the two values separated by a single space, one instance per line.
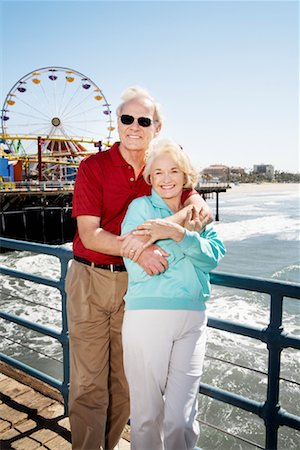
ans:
x=159 y=202
x=117 y=158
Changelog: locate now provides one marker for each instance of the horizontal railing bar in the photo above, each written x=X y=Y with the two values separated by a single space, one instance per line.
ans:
x=286 y=340
x=225 y=325
x=285 y=289
x=242 y=366
x=42 y=305
x=249 y=405
x=32 y=326
x=290 y=340
x=289 y=420
x=27 y=347
x=54 y=250
x=30 y=277
x=233 y=399
x=32 y=371
x=235 y=436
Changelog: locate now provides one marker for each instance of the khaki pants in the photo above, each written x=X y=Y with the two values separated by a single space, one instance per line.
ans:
x=99 y=399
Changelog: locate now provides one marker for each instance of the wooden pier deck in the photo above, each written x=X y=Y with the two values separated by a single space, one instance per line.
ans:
x=31 y=419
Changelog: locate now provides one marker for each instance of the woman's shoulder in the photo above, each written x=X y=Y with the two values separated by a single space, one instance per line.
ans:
x=141 y=207
x=141 y=201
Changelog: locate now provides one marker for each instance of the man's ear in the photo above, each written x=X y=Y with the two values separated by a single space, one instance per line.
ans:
x=157 y=129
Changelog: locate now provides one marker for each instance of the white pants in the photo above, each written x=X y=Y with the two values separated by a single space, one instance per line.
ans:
x=163 y=360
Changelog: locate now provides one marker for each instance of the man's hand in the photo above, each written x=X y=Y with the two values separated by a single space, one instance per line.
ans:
x=153 y=260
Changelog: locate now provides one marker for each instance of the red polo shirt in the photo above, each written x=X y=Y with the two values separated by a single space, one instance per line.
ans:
x=105 y=186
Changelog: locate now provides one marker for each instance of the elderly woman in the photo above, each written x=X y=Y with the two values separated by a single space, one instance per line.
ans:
x=165 y=320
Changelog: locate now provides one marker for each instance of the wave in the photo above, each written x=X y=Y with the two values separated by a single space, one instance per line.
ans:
x=279 y=226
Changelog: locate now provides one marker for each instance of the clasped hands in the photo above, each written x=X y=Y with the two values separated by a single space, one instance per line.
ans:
x=143 y=236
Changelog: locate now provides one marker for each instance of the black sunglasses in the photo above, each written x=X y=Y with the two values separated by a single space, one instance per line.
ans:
x=142 y=121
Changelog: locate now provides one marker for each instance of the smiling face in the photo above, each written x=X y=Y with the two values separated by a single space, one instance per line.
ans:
x=134 y=137
x=167 y=179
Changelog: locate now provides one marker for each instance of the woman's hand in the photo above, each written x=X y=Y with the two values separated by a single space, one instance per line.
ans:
x=157 y=229
x=194 y=221
x=132 y=246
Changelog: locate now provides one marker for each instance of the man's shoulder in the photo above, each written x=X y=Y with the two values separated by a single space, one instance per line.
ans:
x=98 y=159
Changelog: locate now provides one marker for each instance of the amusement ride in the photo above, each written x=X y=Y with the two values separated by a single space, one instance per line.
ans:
x=51 y=119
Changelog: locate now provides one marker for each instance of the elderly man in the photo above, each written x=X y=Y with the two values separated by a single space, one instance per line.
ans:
x=96 y=283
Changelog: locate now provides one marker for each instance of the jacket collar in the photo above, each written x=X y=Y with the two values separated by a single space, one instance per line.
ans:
x=159 y=202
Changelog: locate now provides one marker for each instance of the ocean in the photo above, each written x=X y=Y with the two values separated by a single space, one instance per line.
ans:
x=259 y=224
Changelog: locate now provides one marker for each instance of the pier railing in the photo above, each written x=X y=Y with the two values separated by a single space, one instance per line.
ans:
x=273 y=336
x=64 y=256
x=36 y=186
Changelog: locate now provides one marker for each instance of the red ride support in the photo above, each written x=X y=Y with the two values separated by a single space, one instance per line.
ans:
x=40 y=143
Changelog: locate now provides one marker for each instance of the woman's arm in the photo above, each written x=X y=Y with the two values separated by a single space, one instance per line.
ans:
x=205 y=249
x=196 y=205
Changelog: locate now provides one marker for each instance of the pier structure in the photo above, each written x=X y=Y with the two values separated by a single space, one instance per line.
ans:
x=42 y=211
x=37 y=212
x=209 y=190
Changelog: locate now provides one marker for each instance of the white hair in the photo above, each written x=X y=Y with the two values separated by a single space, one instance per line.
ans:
x=167 y=146
x=137 y=92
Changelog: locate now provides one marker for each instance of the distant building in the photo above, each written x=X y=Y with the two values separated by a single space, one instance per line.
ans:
x=216 y=172
x=236 y=173
x=266 y=170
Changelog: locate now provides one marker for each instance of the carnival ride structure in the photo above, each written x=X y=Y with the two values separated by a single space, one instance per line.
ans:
x=51 y=119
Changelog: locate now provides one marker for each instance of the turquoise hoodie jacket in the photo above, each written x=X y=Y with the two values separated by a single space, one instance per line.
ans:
x=185 y=284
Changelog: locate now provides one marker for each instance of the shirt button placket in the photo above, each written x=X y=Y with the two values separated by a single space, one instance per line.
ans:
x=132 y=177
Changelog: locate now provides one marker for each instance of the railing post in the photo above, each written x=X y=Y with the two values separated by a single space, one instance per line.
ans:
x=272 y=406
x=217 y=206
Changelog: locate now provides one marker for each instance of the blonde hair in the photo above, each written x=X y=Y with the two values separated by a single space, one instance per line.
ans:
x=167 y=146
x=137 y=92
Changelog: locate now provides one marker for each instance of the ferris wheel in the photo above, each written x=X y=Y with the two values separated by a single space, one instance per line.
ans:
x=60 y=105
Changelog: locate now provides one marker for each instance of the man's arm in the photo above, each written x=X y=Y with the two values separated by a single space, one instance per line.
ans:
x=197 y=206
x=95 y=238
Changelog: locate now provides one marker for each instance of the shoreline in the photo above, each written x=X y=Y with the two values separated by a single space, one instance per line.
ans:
x=262 y=187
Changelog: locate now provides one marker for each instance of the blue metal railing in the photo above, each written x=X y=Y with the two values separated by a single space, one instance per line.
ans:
x=274 y=336
x=64 y=256
x=276 y=340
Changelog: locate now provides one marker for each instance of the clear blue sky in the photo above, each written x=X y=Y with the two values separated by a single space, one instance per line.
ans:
x=225 y=72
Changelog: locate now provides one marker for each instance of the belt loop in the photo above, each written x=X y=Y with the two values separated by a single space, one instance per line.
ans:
x=111 y=267
x=93 y=265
